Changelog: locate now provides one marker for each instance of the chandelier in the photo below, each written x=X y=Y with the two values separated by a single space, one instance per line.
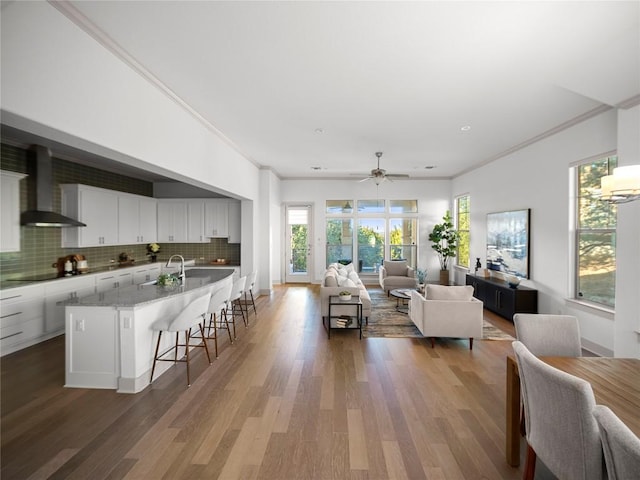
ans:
x=621 y=187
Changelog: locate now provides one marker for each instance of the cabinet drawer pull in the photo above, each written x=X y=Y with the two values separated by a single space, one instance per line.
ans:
x=12 y=335
x=9 y=298
x=11 y=315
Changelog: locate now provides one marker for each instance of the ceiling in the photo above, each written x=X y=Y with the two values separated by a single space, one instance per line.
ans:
x=314 y=89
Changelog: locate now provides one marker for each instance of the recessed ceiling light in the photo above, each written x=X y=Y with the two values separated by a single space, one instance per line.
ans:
x=319 y=130
x=316 y=168
x=429 y=167
x=465 y=128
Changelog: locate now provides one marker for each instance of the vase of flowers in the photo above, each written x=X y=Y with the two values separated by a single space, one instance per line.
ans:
x=152 y=251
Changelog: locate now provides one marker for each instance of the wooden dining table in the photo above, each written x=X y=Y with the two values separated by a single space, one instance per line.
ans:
x=615 y=383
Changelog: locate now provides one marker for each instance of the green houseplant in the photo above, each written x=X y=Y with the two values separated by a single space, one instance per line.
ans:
x=444 y=240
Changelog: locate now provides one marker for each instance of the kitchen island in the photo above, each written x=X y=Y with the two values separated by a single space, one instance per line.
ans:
x=110 y=341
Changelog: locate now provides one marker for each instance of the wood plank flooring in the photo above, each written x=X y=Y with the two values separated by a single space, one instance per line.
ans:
x=282 y=402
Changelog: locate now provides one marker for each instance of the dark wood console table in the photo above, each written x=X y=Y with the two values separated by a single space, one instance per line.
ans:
x=500 y=298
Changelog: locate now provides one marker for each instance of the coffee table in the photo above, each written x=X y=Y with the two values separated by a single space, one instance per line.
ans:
x=402 y=296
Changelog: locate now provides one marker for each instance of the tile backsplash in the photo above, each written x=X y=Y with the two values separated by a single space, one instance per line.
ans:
x=41 y=247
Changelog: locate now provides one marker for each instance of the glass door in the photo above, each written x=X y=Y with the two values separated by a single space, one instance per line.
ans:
x=299 y=251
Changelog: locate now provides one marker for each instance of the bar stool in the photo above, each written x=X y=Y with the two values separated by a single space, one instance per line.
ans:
x=251 y=282
x=235 y=303
x=218 y=313
x=193 y=313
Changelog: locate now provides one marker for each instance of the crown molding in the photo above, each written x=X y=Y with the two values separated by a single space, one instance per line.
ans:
x=79 y=19
x=549 y=133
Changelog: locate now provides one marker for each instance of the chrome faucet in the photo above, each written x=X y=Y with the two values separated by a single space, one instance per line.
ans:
x=181 y=275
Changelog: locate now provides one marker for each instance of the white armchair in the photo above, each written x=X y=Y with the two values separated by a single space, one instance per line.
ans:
x=396 y=274
x=447 y=312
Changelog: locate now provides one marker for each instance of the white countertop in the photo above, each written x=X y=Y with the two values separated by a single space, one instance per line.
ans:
x=134 y=295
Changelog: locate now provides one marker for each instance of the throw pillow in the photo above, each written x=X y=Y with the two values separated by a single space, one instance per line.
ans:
x=396 y=268
x=345 y=282
x=349 y=268
x=444 y=292
x=353 y=276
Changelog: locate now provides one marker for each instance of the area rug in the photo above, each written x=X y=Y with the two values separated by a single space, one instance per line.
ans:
x=386 y=321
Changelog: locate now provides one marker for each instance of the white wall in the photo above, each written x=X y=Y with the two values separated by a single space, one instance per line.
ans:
x=433 y=201
x=626 y=339
x=537 y=177
x=59 y=82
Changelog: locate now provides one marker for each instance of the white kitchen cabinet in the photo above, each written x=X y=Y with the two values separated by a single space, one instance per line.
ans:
x=172 y=221
x=10 y=213
x=195 y=222
x=113 y=279
x=21 y=317
x=64 y=289
x=146 y=273
x=97 y=208
x=235 y=222
x=216 y=219
x=137 y=219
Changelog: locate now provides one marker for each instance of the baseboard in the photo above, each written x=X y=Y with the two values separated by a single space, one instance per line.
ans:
x=595 y=349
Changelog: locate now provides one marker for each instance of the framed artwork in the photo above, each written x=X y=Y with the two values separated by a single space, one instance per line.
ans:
x=508 y=236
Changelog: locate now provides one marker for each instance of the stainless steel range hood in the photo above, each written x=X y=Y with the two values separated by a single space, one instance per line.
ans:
x=43 y=215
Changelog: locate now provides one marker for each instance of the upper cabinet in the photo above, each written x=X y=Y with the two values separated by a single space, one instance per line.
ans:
x=97 y=208
x=10 y=214
x=137 y=219
x=172 y=221
x=112 y=218
x=216 y=218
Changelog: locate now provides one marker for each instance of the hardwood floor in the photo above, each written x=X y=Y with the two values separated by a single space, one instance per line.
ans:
x=282 y=402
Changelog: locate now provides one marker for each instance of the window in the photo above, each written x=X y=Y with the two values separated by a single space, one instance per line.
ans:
x=384 y=229
x=463 y=225
x=595 y=235
x=402 y=241
x=339 y=240
x=371 y=236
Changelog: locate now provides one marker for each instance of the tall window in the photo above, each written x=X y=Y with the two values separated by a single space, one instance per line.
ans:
x=595 y=235
x=339 y=240
x=463 y=223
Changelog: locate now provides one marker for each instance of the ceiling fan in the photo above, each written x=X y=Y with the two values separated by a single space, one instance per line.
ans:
x=379 y=175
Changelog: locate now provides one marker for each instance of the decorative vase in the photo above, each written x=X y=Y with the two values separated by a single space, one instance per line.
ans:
x=345 y=298
x=154 y=258
x=444 y=277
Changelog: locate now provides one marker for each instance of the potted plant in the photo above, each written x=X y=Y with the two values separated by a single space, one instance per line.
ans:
x=445 y=243
x=152 y=251
x=345 y=295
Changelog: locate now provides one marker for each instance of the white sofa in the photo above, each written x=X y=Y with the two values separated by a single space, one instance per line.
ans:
x=337 y=278
x=395 y=274
x=446 y=311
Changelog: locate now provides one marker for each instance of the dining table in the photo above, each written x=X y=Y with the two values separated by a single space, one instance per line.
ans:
x=615 y=383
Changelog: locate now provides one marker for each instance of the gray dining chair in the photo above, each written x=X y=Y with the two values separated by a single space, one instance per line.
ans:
x=621 y=446
x=549 y=335
x=561 y=429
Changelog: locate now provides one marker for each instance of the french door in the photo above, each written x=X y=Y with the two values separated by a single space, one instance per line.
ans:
x=298 y=244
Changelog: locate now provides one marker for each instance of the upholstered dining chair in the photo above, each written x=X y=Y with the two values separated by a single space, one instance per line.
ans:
x=191 y=315
x=621 y=446
x=549 y=335
x=561 y=429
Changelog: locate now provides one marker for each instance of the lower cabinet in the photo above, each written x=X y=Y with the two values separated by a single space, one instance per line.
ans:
x=21 y=317
x=63 y=290
x=146 y=273
x=498 y=297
